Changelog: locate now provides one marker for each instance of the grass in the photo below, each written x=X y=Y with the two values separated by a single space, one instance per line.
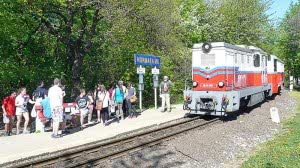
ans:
x=284 y=150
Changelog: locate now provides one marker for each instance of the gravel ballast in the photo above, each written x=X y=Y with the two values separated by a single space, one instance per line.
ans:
x=222 y=145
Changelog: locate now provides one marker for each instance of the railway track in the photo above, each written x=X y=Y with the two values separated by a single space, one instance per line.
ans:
x=93 y=154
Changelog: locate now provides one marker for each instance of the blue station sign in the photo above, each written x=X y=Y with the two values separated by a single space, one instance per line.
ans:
x=146 y=60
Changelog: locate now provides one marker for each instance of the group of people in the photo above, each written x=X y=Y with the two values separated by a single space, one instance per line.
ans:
x=106 y=102
x=117 y=99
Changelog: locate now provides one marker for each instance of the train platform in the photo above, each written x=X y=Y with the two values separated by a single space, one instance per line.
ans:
x=26 y=145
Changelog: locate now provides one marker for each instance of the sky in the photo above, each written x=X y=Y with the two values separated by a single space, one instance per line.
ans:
x=279 y=7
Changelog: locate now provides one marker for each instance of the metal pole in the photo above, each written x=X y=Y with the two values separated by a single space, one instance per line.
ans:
x=140 y=100
x=155 y=97
x=141 y=93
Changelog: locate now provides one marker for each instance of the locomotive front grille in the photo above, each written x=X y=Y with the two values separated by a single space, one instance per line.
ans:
x=206 y=104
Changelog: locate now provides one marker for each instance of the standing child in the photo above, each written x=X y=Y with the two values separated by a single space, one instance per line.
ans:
x=9 y=107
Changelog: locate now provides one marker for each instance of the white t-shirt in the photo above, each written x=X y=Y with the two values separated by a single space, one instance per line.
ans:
x=21 y=101
x=104 y=98
x=55 y=95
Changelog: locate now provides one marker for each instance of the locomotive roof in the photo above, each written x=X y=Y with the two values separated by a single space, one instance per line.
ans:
x=275 y=57
x=227 y=45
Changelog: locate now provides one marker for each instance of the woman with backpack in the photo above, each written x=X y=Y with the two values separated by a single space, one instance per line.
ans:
x=165 y=94
x=119 y=97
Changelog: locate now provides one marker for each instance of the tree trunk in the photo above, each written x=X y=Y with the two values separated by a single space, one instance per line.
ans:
x=76 y=70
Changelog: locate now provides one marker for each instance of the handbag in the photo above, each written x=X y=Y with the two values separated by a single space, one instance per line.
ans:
x=133 y=99
x=99 y=104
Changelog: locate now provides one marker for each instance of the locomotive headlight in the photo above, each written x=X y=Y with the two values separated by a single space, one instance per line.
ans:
x=206 y=46
x=221 y=84
x=195 y=84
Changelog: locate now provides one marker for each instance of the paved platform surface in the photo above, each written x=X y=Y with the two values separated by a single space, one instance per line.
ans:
x=25 y=145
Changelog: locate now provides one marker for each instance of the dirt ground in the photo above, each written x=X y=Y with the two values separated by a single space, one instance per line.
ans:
x=226 y=144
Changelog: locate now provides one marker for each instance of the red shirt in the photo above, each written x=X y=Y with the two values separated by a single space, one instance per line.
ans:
x=9 y=105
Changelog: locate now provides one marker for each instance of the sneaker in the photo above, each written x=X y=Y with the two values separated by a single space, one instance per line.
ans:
x=66 y=131
x=55 y=136
x=6 y=133
x=162 y=111
x=91 y=122
x=82 y=127
x=26 y=132
x=169 y=110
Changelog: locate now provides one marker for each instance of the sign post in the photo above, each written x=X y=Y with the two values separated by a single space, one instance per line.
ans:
x=147 y=60
x=291 y=83
x=141 y=72
x=155 y=73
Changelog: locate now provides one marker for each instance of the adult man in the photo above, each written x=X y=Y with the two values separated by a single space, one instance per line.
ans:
x=82 y=103
x=39 y=92
x=164 y=90
x=130 y=99
x=38 y=95
x=55 y=95
x=8 y=107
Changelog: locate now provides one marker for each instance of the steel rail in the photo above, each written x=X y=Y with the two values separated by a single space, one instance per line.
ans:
x=64 y=157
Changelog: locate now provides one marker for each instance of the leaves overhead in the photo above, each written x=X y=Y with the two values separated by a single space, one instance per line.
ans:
x=89 y=41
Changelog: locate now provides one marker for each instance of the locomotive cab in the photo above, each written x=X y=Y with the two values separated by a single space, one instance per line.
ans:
x=226 y=78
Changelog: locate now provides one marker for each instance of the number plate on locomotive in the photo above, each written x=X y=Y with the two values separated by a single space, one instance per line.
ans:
x=208 y=85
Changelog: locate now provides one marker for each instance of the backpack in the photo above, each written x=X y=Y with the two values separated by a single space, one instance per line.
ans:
x=119 y=95
x=166 y=88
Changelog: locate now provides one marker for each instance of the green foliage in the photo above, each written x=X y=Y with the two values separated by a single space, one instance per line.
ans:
x=289 y=39
x=85 y=42
x=283 y=151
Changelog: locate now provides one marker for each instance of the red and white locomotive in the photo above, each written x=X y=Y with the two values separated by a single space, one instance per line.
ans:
x=229 y=77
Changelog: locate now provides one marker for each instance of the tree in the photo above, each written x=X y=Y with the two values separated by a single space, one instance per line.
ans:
x=289 y=43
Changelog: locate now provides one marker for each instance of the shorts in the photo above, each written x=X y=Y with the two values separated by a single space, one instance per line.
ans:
x=8 y=119
x=20 y=112
x=57 y=114
x=84 y=112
